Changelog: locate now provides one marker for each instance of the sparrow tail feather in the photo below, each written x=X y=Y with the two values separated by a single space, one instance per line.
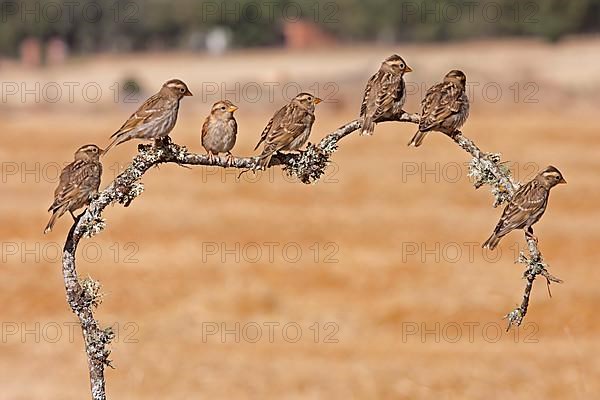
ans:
x=492 y=242
x=51 y=223
x=417 y=140
x=264 y=161
x=116 y=141
x=368 y=127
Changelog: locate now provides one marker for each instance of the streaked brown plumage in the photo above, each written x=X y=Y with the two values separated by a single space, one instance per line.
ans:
x=219 y=130
x=156 y=117
x=445 y=107
x=289 y=128
x=385 y=93
x=527 y=206
x=79 y=182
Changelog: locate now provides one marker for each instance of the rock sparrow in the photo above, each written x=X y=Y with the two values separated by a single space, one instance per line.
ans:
x=526 y=207
x=156 y=117
x=78 y=183
x=289 y=128
x=219 y=130
x=445 y=107
x=385 y=93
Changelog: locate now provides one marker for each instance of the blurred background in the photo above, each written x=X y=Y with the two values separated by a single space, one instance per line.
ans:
x=370 y=284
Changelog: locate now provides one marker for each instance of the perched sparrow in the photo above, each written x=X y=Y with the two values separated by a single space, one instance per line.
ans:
x=156 y=117
x=445 y=107
x=527 y=206
x=220 y=130
x=385 y=93
x=79 y=182
x=289 y=128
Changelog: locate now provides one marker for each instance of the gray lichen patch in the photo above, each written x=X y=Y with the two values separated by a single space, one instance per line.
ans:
x=90 y=293
x=488 y=169
x=311 y=164
x=91 y=227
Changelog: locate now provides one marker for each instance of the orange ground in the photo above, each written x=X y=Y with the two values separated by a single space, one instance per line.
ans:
x=390 y=293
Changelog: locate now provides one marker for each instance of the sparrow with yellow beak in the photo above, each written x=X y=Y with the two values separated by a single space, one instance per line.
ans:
x=219 y=130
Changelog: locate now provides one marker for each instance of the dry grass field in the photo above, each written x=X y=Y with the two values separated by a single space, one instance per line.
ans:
x=368 y=285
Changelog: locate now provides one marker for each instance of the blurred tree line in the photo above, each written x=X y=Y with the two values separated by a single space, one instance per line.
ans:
x=126 y=25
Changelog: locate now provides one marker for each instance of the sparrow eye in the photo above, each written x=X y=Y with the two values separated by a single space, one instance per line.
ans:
x=401 y=65
x=182 y=90
x=223 y=108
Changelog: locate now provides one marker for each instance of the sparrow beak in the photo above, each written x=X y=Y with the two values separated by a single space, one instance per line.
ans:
x=562 y=180
x=408 y=69
x=188 y=93
x=232 y=109
x=317 y=100
x=101 y=152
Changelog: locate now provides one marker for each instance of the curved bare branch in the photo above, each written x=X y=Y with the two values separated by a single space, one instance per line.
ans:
x=308 y=166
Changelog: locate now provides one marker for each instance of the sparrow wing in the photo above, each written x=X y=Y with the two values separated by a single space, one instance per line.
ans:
x=150 y=110
x=386 y=96
x=441 y=101
x=233 y=125
x=64 y=179
x=368 y=102
x=274 y=121
x=382 y=91
x=205 y=126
